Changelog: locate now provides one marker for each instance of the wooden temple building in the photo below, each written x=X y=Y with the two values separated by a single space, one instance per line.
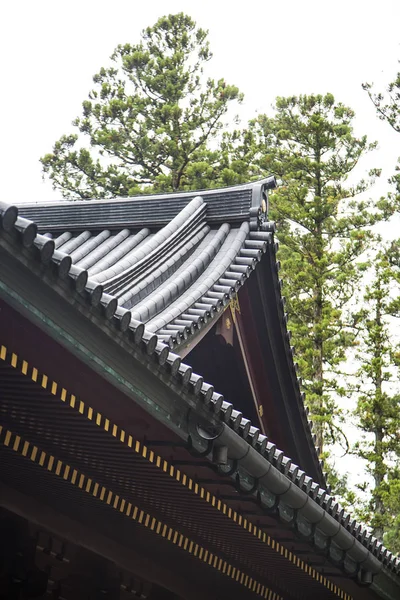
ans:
x=154 y=441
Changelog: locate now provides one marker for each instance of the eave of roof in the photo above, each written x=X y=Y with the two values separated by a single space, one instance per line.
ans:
x=17 y=229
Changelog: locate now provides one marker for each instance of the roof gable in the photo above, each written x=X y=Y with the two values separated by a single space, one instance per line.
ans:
x=257 y=233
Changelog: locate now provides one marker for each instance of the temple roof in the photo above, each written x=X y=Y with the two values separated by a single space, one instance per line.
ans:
x=173 y=261
x=160 y=268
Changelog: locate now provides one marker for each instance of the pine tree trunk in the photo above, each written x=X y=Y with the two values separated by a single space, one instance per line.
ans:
x=318 y=307
x=379 y=508
x=377 y=473
x=319 y=368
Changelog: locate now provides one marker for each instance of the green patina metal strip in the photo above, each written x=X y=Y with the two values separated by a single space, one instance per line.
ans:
x=153 y=407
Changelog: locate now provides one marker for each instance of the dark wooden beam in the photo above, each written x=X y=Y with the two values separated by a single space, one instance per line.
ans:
x=128 y=558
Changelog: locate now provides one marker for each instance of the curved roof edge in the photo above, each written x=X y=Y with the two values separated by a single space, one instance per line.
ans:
x=256 y=445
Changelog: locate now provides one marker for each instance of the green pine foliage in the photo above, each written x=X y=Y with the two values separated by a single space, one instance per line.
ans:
x=378 y=410
x=387 y=107
x=154 y=123
x=324 y=225
x=150 y=122
x=378 y=405
x=387 y=104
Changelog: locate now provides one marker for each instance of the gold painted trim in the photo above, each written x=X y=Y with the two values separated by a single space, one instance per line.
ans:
x=115 y=502
x=104 y=423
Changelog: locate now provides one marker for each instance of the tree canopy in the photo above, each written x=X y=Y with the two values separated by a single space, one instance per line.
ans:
x=150 y=120
x=378 y=402
x=387 y=105
x=154 y=122
x=323 y=230
x=378 y=398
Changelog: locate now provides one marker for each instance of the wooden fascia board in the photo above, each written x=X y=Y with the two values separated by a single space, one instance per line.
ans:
x=256 y=360
x=264 y=299
x=253 y=380
x=131 y=559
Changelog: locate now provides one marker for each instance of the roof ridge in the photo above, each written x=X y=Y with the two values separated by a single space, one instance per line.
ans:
x=27 y=233
x=265 y=183
x=224 y=204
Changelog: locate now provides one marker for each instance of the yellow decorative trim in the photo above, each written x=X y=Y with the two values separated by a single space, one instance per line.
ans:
x=234 y=306
x=141 y=449
x=117 y=503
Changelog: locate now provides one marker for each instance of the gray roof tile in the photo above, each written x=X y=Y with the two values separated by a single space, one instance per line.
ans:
x=184 y=289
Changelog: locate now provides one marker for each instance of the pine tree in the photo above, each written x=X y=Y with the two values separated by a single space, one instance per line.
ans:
x=323 y=231
x=387 y=107
x=387 y=104
x=149 y=122
x=378 y=405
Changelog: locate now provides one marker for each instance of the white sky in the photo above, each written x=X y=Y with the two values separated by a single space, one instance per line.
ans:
x=50 y=50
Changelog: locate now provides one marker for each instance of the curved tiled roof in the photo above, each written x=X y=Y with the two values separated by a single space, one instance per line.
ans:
x=173 y=278
x=189 y=268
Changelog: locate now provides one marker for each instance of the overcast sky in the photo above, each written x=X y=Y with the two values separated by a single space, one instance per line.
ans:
x=50 y=50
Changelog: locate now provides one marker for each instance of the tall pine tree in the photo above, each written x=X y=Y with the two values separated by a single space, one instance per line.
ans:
x=387 y=105
x=150 y=121
x=323 y=230
x=378 y=405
